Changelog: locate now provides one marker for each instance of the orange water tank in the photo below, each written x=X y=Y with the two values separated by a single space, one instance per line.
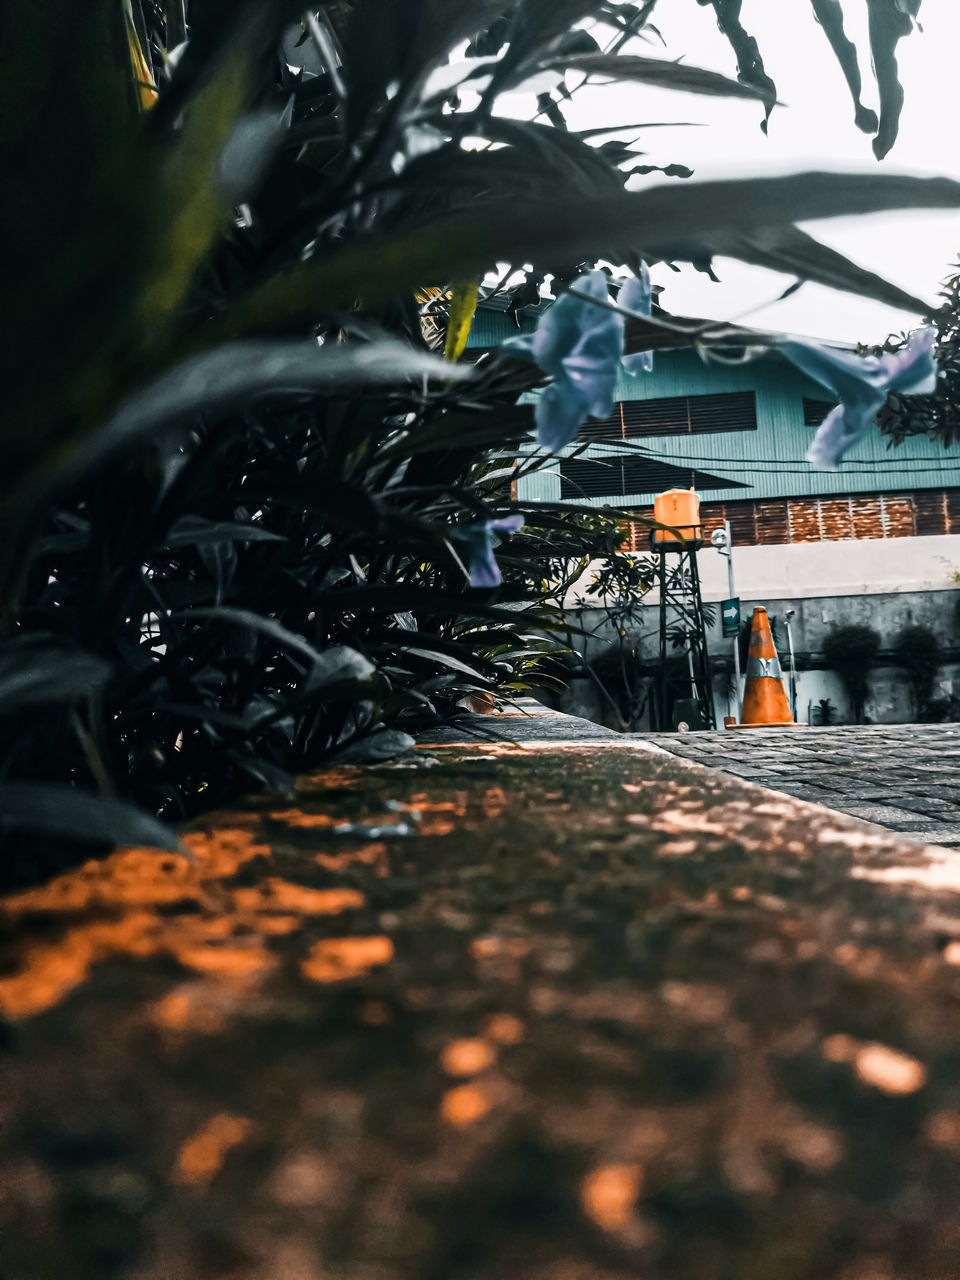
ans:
x=679 y=508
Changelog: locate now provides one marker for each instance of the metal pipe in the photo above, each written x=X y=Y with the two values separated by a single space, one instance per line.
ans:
x=738 y=692
x=793 y=666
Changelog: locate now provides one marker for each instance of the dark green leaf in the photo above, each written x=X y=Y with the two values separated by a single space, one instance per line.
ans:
x=750 y=66
x=384 y=744
x=37 y=672
x=660 y=73
x=236 y=374
x=327 y=667
x=792 y=251
x=390 y=44
x=443 y=660
x=830 y=16
x=196 y=531
x=658 y=222
x=78 y=815
x=890 y=21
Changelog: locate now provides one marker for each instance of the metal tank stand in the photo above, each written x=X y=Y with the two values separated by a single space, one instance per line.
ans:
x=684 y=696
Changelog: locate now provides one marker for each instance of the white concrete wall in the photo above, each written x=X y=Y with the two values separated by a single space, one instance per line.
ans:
x=883 y=583
x=888 y=701
x=810 y=569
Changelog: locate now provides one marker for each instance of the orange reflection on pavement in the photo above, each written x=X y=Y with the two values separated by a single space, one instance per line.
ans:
x=276 y=925
x=336 y=959
x=333 y=778
x=505 y=1028
x=53 y=970
x=218 y=931
x=286 y=896
x=421 y=802
x=464 y=1105
x=192 y=1007
x=142 y=877
x=231 y=962
x=609 y=1194
x=306 y=821
x=484 y=948
x=201 y=1157
x=372 y=855
x=494 y=802
x=467 y=1057
x=222 y=852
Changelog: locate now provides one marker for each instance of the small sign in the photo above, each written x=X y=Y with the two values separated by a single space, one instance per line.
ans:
x=730 y=617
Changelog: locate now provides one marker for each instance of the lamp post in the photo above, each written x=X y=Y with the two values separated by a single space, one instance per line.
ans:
x=793 y=666
x=722 y=541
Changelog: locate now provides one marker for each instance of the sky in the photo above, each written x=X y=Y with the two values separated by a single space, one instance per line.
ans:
x=814 y=130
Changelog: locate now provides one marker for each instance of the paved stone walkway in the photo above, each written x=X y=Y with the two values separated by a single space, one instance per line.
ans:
x=905 y=778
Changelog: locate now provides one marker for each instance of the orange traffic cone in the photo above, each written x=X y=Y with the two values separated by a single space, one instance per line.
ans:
x=765 y=701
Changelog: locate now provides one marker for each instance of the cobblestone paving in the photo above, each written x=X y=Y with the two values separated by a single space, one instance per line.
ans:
x=905 y=778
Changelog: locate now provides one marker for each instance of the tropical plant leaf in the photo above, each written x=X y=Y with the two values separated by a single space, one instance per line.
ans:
x=246 y=155
x=661 y=73
x=78 y=815
x=830 y=16
x=235 y=374
x=37 y=672
x=890 y=21
x=444 y=660
x=328 y=667
x=339 y=666
x=397 y=45
x=750 y=66
x=463 y=306
x=536 y=25
x=196 y=531
x=794 y=252
x=382 y=744
x=193 y=207
x=658 y=222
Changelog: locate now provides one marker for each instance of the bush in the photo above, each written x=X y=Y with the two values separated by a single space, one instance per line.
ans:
x=918 y=651
x=851 y=651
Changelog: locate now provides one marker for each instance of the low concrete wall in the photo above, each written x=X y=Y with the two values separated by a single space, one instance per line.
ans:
x=809 y=570
x=813 y=617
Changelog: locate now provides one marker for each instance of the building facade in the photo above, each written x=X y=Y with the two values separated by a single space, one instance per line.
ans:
x=877 y=541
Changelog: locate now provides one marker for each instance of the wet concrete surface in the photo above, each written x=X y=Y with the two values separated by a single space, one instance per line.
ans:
x=553 y=1010
x=905 y=777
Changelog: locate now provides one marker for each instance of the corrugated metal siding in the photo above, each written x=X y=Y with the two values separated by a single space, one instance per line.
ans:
x=770 y=460
x=489 y=327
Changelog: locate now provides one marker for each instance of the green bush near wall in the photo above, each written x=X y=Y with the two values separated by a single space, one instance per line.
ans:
x=918 y=651
x=851 y=651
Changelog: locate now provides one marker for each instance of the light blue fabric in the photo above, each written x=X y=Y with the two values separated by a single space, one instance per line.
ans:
x=580 y=346
x=480 y=540
x=861 y=384
x=637 y=296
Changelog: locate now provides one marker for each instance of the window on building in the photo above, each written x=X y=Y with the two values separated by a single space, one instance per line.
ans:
x=814 y=411
x=676 y=416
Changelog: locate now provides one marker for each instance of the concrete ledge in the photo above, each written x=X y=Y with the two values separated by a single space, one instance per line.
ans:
x=561 y=1010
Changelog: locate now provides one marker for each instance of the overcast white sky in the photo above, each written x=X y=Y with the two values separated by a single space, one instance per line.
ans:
x=814 y=130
